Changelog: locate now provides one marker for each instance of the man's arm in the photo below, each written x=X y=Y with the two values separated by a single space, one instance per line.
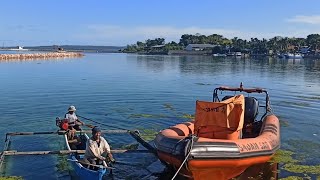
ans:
x=79 y=120
x=106 y=145
x=107 y=149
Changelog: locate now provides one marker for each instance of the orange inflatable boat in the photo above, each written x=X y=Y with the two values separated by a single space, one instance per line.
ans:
x=224 y=139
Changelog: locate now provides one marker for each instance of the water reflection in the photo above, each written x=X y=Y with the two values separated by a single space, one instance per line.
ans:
x=141 y=85
x=260 y=172
x=264 y=171
x=273 y=67
x=155 y=63
x=54 y=59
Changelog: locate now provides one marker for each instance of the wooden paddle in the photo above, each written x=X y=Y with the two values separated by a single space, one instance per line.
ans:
x=105 y=164
x=89 y=125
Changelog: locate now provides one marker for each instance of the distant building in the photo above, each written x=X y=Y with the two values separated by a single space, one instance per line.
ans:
x=199 y=47
x=292 y=48
x=158 y=47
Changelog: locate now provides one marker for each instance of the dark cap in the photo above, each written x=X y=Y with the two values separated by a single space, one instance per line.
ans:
x=95 y=130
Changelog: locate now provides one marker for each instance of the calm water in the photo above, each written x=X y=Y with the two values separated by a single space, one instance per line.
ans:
x=134 y=92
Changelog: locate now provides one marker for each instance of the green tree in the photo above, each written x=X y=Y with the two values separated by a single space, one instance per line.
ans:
x=313 y=40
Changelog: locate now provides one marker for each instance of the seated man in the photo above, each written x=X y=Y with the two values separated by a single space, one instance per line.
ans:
x=97 y=149
x=73 y=121
x=73 y=139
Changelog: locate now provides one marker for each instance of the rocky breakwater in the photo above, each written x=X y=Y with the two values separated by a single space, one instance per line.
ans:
x=40 y=55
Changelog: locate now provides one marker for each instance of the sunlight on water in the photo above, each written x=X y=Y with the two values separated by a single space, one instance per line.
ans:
x=147 y=92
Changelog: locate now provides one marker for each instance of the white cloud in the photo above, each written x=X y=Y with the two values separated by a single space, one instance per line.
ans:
x=315 y=19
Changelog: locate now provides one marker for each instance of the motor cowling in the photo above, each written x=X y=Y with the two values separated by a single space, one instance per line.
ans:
x=62 y=123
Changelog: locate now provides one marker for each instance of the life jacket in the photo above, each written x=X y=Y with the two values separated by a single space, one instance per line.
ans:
x=220 y=120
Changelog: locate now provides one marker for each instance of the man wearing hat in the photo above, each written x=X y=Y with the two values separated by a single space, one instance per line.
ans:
x=97 y=148
x=73 y=121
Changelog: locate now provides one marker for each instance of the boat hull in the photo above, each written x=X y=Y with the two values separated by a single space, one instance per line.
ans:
x=216 y=158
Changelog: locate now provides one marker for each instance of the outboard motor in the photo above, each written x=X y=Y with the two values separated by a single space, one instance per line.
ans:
x=62 y=123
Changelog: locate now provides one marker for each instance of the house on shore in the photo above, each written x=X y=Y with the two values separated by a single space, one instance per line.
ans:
x=199 y=47
x=194 y=49
x=156 y=50
x=157 y=47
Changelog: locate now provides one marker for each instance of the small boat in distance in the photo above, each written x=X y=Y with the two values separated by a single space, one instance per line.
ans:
x=19 y=48
x=60 y=50
x=238 y=54
x=281 y=56
x=225 y=138
x=219 y=55
x=234 y=54
x=293 y=56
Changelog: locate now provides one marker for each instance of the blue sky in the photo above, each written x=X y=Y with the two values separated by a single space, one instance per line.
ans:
x=122 y=22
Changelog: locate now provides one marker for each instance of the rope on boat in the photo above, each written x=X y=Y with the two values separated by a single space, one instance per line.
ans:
x=184 y=161
x=103 y=123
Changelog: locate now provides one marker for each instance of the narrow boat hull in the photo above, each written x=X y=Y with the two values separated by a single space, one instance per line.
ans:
x=85 y=173
x=82 y=172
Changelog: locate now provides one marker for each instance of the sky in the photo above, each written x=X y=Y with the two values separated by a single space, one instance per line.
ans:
x=122 y=22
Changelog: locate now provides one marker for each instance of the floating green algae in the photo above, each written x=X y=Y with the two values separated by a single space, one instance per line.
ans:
x=154 y=116
x=295 y=178
x=187 y=116
x=291 y=165
x=169 y=106
x=148 y=134
x=133 y=146
x=283 y=156
x=309 y=98
x=259 y=172
x=302 y=168
x=140 y=116
x=304 y=148
x=299 y=104
x=202 y=84
x=63 y=164
x=11 y=178
x=147 y=116
x=284 y=123
x=122 y=110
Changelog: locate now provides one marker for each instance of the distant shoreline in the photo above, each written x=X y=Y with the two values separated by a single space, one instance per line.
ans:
x=68 y=48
